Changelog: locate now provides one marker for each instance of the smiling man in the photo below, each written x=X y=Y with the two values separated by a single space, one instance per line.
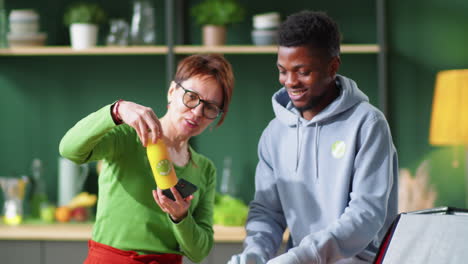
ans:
x=327 y=168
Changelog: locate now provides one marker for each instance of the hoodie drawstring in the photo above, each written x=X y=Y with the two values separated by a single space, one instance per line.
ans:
x=299 y=146
x=298 y=143
x=317 y=136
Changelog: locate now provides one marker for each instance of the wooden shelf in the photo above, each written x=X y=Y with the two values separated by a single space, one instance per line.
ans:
x=66 y=50
x=360 y=48
x=227 y=49
x=155 y=50
x=249 y=49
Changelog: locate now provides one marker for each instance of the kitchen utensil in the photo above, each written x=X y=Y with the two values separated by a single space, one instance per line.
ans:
x=71 y=179
x=13 y=192
x=38 y=188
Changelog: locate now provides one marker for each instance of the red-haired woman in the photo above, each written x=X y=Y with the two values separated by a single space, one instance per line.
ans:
x=130 y=227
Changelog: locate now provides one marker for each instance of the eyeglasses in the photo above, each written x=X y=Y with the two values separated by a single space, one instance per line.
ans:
x=191 y=100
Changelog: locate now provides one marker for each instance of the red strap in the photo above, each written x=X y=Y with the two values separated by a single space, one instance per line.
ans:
x=103 y=254
x=386 y=241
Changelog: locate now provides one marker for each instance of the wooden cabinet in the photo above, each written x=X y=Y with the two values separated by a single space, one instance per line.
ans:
x=19 y=251
x=74 y=252
x=59 y=252
x=67 y=243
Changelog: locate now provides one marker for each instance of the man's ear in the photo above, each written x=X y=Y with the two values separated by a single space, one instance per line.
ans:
x=334 y=66
x=171 y=91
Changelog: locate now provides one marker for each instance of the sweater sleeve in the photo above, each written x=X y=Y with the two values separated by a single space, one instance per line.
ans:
x=195 y=232
x=266 y=222
x=363 y=219
x=89 y=139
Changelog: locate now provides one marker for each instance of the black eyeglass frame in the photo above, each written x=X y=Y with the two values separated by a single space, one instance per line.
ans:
x=220 y=111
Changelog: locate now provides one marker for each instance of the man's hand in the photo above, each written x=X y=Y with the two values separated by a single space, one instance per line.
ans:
x=284 y=259
x=248 y=258
x=177 y=209
x=142 y=119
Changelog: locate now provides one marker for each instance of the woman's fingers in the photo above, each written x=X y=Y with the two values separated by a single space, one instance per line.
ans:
x=164 y=200
x=155 y=126
x=176 y=194
x=189 y=198
x=181 y=205
x=144 y=133
x=143 y=120
x=158 y=197
x=154 y=131
x=176 y=209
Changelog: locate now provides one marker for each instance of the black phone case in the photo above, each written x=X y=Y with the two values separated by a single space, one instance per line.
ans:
x=184 y=187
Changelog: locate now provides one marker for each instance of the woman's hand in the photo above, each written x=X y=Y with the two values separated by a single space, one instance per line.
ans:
x=177 y=209
x=142 y=119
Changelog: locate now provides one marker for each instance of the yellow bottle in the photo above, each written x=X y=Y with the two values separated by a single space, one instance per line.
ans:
x=161 y=165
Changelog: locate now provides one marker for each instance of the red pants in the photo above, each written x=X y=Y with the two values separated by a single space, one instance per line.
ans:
x=103 y=254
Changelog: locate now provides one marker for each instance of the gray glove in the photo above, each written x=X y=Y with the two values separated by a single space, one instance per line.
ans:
x=247 y=258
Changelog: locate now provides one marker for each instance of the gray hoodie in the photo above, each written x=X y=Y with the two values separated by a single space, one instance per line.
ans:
x=332 y=181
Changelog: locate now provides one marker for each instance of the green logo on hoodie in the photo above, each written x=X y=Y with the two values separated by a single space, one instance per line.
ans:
x=338 y=149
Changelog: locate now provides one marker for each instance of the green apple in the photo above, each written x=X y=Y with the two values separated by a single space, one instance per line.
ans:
x=48 y=213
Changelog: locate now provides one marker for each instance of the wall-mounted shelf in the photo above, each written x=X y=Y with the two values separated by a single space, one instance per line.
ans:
x=67 y=50
x=178 y=49
x=249 y=49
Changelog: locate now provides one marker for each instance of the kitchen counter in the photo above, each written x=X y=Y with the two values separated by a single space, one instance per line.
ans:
x=59 y=243
x=82 y=232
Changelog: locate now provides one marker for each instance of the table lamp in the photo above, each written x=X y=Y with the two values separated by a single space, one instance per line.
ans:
x=449 y=120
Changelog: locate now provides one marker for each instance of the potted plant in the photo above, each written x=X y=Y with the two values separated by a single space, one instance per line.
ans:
x=215 y=15
x=84 y=19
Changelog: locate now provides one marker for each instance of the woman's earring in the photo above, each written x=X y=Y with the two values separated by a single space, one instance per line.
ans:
x=168 y=103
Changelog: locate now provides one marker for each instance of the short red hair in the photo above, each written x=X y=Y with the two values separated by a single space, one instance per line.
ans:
x=209 y=65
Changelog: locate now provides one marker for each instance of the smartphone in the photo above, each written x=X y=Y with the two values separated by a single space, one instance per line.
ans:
x=184 y=187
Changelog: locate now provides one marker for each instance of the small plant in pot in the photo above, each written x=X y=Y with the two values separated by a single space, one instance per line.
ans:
x=215 y=15
x=84 y=19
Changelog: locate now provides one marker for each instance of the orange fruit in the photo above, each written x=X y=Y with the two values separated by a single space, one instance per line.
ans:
x=63 y=214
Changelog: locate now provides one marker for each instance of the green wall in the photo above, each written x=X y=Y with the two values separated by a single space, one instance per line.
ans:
x=425 y=37
x=41 y=97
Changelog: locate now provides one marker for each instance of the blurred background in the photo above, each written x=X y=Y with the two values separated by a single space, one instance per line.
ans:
x=41 y=97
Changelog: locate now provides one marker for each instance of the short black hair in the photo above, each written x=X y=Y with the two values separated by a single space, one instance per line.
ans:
x=311 y=28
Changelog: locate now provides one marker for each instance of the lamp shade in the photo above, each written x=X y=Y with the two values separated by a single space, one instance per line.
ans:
x=449 y=120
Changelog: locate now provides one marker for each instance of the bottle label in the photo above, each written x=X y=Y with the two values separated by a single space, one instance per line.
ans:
x=164 y=167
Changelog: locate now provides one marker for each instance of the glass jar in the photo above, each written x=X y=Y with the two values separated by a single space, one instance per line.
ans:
x=118 y=33
x=143 y=31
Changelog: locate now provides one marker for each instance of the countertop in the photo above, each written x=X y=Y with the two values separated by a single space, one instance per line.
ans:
x=82 y=232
